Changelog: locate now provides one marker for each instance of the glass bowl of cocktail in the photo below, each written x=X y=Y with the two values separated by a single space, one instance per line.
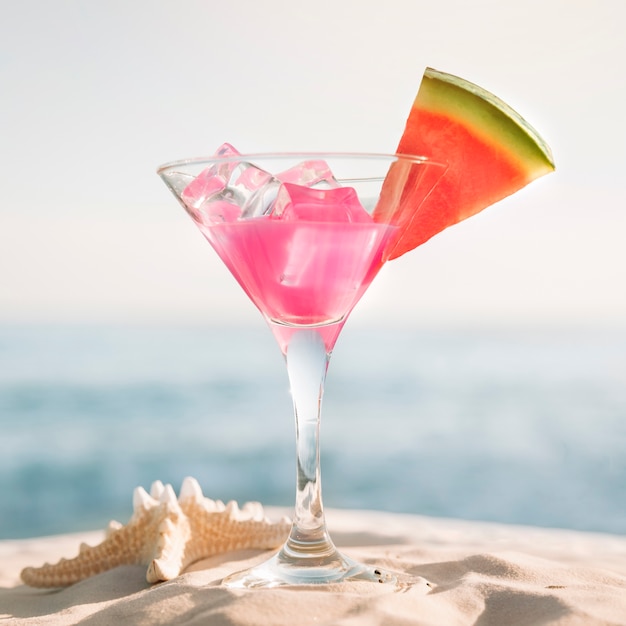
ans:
x=304 y=235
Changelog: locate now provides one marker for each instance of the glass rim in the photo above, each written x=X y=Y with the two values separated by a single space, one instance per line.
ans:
x=251 y=156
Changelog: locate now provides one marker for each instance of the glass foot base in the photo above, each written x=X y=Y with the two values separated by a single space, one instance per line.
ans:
x=277 y=572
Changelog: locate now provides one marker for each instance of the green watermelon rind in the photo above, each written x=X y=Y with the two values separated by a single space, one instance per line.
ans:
x=490 y=118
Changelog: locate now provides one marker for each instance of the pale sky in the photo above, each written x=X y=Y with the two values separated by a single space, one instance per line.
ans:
x=95 y=95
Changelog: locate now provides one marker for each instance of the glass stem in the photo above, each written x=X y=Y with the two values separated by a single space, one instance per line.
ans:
x=307 y=363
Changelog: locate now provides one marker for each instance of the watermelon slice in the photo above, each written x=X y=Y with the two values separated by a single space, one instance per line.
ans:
x=490 y=150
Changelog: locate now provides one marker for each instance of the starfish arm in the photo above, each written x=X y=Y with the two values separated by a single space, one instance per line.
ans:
x=170 y=550
x=117 y=549
x=216 y=532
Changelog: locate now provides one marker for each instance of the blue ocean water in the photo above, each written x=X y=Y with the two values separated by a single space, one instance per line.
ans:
x=520 y=426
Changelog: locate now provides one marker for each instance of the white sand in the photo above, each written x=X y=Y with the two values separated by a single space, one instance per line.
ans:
x=479 y=574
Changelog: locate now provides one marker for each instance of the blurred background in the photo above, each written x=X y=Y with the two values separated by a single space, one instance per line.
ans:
x=483 y=376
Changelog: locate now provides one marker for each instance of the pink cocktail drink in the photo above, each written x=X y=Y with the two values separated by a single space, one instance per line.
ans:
x=301 y=273
x=307 y=262
x=304 y=248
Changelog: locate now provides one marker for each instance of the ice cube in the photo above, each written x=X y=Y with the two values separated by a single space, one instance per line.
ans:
x=227 y=168
x=209 y=200
x=211 y=180
x=296 y=202
x=202 y=188
x=312 y=173
x=223 y=191
x=258 y=190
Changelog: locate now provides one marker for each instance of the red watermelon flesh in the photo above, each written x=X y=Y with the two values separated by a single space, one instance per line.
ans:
x=490 y=150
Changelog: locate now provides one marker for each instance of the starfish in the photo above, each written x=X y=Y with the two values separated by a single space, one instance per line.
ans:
x=167 y=535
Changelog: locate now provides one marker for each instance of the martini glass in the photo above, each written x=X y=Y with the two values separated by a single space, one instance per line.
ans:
x=304 y=235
